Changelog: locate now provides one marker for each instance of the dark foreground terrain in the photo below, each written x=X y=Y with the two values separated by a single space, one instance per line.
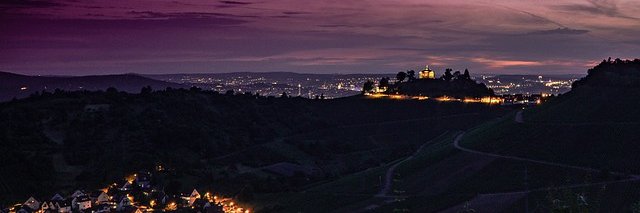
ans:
x=244 y=146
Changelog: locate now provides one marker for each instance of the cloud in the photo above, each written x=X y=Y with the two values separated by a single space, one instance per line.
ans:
x=295 y=13
x=560 y=31
x=597 y=7
x=235 y=2
x=150 y=14
x=496 y=63
x=29 y=4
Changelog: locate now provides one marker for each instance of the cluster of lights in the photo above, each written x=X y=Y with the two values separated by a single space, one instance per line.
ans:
x=228 y=204
x=485 y=100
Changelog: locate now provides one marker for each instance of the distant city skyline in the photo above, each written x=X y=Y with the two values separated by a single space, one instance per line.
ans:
x=60 y=37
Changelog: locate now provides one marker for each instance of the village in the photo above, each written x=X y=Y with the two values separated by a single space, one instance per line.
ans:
x=135 y=193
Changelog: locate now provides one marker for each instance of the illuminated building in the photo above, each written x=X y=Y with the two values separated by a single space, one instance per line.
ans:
x=427 y=73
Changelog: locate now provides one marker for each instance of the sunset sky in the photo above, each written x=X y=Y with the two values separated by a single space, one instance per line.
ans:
x=60 y=37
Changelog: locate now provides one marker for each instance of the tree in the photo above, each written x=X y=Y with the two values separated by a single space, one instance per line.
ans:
x=456 y=75
x=466 y=74
x=367 y=87
x=195 y=89
x=284 y=95
x=401 y=76
x=384 y=82
x=146 y=90
x=411 y=75
x=447 y=76
x=112 y=90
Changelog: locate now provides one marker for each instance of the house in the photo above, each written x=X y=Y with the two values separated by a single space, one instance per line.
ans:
x=26 y=209
x=102 y=198
x=199 y=203
x=81 y=202
x=124 y=203
x=77 y=193
x=102 y=208
x=143 y=180
x=192 y=197
x=48 y=206
x=63 y=206
x=32 y=203
x=130 y=209
x=57 y=197
x=126 y=186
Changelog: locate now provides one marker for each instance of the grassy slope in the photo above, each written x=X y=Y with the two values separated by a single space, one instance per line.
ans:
x=438 y=177
x=588 y=127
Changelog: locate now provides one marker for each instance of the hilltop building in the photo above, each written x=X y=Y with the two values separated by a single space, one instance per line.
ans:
x=427 y=73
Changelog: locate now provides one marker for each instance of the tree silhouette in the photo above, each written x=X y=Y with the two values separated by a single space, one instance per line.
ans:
x=401 y=76
x=367 y=87
x=284 y=95
x=384 y=82
x=146 y=90
x=456 y=75
x=466 y=74
x=411 y=75
x=447 y=76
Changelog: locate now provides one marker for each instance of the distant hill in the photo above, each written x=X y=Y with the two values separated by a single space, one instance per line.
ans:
x=20 y=86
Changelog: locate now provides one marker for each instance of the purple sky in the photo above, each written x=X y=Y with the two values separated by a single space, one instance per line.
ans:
x=314 y=36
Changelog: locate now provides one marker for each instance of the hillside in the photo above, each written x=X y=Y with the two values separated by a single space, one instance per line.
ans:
x=242 y=145
x=592 y=126
x=20 y=86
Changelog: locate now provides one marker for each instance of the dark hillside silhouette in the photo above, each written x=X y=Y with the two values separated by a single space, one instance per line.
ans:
x=104 y=135
x=612 y=73
x=20 y=86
